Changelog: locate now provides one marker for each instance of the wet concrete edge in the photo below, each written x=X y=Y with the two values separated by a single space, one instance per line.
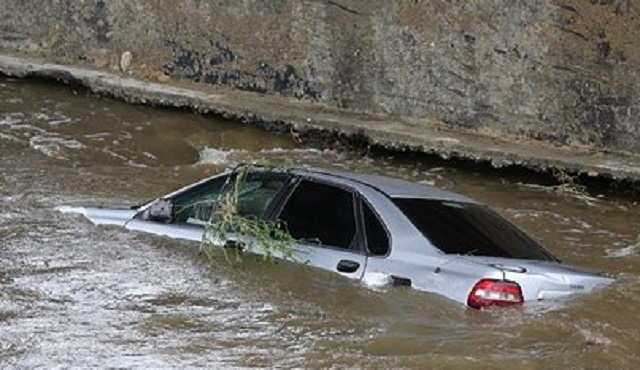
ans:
x=312 y=121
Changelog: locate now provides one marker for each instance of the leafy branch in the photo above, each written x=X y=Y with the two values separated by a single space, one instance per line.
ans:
x=237 y=233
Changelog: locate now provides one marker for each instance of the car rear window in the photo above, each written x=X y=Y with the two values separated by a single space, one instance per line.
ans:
x=470 y=229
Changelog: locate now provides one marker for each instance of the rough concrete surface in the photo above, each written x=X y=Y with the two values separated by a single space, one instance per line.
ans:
x=541 y=83
x=304 y=117
x=563 y=72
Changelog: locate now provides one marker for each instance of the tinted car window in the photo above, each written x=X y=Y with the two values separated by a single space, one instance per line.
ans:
x=320 y=213
x=466 y=228
x=376 y=235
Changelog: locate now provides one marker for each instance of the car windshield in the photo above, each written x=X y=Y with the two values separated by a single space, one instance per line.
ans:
x=470 y=229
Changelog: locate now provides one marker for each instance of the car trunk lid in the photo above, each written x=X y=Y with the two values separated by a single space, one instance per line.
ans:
x=546 y=279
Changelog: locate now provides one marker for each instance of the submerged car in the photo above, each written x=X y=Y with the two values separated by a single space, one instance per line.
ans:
x=357 y=225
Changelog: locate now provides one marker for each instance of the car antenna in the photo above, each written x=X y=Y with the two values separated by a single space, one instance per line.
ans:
x=453 y=258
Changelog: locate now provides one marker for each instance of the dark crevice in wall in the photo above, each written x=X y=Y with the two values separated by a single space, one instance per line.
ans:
x=216 y=67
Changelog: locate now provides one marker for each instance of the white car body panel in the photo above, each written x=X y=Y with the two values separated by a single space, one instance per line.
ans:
x=412 y=258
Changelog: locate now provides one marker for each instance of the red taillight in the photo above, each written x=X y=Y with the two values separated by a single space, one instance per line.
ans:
x=493 y=292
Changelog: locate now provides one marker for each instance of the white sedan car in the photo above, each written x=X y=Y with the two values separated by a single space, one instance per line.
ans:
x=355 y=225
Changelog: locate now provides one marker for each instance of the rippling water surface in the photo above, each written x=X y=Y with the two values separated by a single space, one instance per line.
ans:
x=75 y=295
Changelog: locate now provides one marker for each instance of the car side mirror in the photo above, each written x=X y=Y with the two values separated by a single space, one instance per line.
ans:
x=160 y=210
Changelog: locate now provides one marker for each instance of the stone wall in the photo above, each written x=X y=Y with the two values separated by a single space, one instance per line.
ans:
x=560 y=71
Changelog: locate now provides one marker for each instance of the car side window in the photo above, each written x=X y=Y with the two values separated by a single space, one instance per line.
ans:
x=376 y=235
x=255 y=194
x=194 y=206
x=321 y=213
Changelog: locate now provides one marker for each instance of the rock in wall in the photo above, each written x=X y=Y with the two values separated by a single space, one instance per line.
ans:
x=560 y=71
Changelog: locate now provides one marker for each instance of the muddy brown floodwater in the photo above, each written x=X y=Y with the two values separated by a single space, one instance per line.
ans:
x=75 y=295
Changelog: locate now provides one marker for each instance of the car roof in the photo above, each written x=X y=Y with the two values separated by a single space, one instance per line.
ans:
x=392 y=187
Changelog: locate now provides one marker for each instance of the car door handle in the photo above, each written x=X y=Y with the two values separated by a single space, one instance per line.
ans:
x=234 y=244
x=348 y=266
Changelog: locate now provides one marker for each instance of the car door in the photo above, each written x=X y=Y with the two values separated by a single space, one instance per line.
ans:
x=187 y=212
x=323 y=218
x=191 y=210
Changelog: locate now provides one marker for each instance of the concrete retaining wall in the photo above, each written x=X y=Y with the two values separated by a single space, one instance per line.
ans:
x=561 y=71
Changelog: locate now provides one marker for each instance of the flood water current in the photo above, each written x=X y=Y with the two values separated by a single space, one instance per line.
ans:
x=76 y=295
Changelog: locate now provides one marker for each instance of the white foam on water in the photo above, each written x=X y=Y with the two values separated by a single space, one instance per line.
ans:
x=594 y=338
x=46 y=142
x=302 y=154
x=46 y=149
x=131 y=163
x=114 y=154
x=621 y=252
x=449 y=140
x=98 y=136
x=306 y=150
x=52 y=118
x=11 y=119
x=214 y=156
x=376 y=280
x=52 y=145
x=57 y=142
x=60 y=121
x=10 y=138
x=149 y=155
x=41 y=116
x=28 y=129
